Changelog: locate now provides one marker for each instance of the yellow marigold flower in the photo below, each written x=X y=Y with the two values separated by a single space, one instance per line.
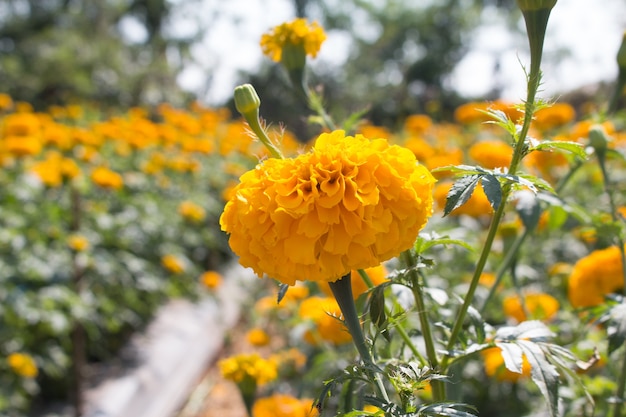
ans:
x=23 y=364
x=539 y=306
x=471 y=113
x=595 y=276
x=417 y=124
x=488 y=279
x=494 y=366
x=324 y=313
x=173 y=264
x=281 y=405
x=191 y=211
x=78 y=243
x=295 y=33
x=444 y=157
x=554 y=116
x=373 y=131
x=491 y=154
x=378 y=275
x=420 y=148
x=6 y=102
x=477 y=205
x=22 y=145
x=242 y=367
x=21 y=124
x=211 y=279
x=349 y=203
x=257 y=337
x=106 y=178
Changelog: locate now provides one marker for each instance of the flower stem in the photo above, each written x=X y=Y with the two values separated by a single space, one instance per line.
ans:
x=342 y=290
x=438 y=388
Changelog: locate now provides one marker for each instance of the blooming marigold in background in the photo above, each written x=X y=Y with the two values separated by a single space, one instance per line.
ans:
x=491 y=154
x=349 y=203
x=191 y=211
x=324 y=313
x=595 y=276
x=242 y=367
x=79 y=243
x=23 y=364
x=21 y=146
x=211 y=279
x=257 y=337
x=494 y=366
x=106 y=178
x=6 y=102
x=554 y=116
x=295 y=33
x=173 y=264
x=417 y=124
x=539 y=306
x=281 y=405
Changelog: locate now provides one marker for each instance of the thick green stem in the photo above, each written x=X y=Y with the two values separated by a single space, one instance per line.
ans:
x=342 y=290
x=260 y=133
x=439 y=392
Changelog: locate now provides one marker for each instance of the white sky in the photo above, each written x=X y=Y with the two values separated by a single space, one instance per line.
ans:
x=591 y=29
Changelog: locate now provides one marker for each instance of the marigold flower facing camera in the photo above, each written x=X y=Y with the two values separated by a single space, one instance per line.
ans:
x=349 y=203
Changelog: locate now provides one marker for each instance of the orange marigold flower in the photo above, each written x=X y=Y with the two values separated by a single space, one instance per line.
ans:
x=106 y=178
x=417 y=124
x=539 y=306
x=349 y=203
x=295 y=33
x=281 y=405
x=491 y=154
x=494 y=366
x=22 y=145
x=595 y=276
x=173 y=264
x=211 y=279
x=23 y=364
x=248 y=367
x=191 y=211
x=257 y=337
x=325 y=314
x=554 y=116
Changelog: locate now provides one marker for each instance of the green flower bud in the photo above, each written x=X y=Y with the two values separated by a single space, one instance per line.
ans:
x=247 y=101
x=599 y=140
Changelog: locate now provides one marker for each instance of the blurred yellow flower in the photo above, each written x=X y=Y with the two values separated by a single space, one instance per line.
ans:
x=494 y=366
x=22 y=364
x=191 y=211
x=539 y=306
x=417 y=124
x=257 y=337
x=78 y=243
x=106 y=178
x=295 y=33
x=22 y=145
x=492 y=154
x=242 y=367
x=282 y=405
x=554 y=116
x=6 y=102
x=173 y=264
x=350 y=203
x=595 y=276
x=324 y=313
x=211 y=279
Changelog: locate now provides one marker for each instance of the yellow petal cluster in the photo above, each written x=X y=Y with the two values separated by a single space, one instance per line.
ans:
x=494 y=366
x=349 y=203
x=281 y=405
x=539 y=306
x=295 y=33
x=595 y=276
x=245 y=366
x=22 y=364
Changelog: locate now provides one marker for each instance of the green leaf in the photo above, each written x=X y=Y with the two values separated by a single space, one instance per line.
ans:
x=543 y=374
x=282 y=291
x=460 y=192
x=512 y=355
x=426 y=241
x=528 y=209
x=377 y=310
x=572 y=147
x=448 y=409
x=493 y=190
x=533 y=330
x=518 y=179
x=615 y=321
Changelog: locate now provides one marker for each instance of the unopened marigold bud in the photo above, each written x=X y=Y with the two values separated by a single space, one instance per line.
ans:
x=247 y=101
x=599 y=140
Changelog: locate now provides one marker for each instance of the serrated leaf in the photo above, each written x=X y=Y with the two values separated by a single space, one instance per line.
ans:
x=422 y=244
x=540 y=183
x=448 y=409
x=517 y=179
x=533 y=330
x=572 y=147
x=543 y=374
x=478 y=322
x=528 y=209
x=460 y=192
x=493 y=190
x=512 y=355
x=461 y=170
